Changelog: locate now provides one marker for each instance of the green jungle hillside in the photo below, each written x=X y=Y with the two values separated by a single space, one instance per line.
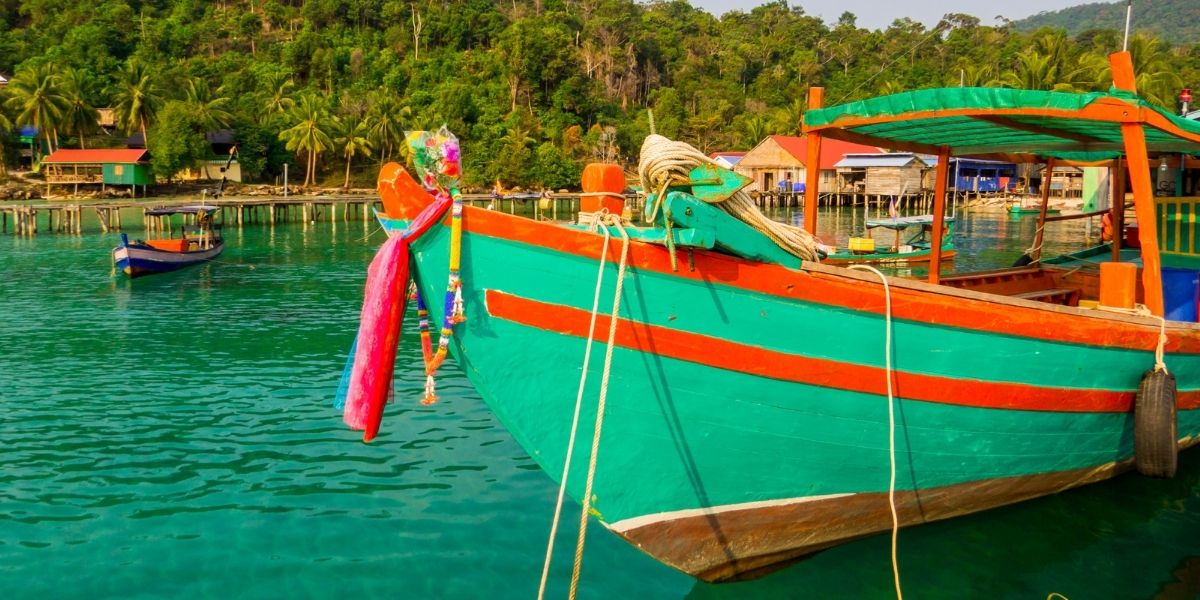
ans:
x=1176 y=21
x=533 y=88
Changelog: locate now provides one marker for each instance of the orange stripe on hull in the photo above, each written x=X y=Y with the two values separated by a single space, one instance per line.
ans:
x=943 y=307
x=753 y=360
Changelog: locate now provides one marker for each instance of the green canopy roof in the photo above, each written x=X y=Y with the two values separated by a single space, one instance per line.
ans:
x=1006 y=123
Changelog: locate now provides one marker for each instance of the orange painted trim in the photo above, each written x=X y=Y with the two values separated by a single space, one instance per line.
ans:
x=830 y=289
x=1143 y=191
x=753 y=360
x=1123 y=76
x=812 y=169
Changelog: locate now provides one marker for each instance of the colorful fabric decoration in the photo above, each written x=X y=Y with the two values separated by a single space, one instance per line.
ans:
x=437 y=159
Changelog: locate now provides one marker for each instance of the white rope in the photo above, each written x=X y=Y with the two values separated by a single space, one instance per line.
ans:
x=887 y=361
x=1141 y=310
x=615 y=221
x=1039 y=240
x=587 y=357
x=664 y=163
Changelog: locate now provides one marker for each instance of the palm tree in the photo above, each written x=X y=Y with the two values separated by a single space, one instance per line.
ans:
x=275 y=98
x=36 y=98
x=387 y=118
x=79 y=117
x=352 y=139
x=1033 y=71
x=1156 y=80
x=138 y=98
x=209 y=109
x=310 y=133
x=754 y=128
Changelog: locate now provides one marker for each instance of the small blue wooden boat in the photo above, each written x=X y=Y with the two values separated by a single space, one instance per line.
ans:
x=197 y=243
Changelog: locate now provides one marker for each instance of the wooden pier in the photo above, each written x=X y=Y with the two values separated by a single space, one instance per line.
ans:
x=55 y=217
x=922 y=201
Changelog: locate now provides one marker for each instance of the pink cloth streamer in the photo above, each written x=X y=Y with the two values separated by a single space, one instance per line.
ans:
x=378 y=337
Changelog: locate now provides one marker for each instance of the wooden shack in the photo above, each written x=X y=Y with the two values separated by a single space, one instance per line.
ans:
x=880 y=173
x=980 y=176
x=98 y=166
x=1065 y=182
x=781 y=158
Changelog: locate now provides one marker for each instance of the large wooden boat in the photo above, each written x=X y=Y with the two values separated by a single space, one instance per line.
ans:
x=196 y=244
x=747 y=420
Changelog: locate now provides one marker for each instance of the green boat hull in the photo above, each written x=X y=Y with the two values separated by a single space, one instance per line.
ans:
x=747 y=418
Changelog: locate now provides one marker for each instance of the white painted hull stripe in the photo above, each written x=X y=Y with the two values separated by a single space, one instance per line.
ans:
x=643 y=520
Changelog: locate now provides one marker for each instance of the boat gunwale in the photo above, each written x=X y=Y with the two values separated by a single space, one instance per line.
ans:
x=473 y=216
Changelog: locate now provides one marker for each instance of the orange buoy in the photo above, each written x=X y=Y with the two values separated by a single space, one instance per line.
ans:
x=1118 y=284
x=602 y=178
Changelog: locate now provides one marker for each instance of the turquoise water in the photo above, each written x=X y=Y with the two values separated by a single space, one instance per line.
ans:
x=173 y=437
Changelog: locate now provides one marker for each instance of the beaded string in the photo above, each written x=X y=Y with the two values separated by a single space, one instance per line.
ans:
x=452 y=313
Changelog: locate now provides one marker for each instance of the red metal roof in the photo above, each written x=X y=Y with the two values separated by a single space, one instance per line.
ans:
x=832 y=150
x=107 y=155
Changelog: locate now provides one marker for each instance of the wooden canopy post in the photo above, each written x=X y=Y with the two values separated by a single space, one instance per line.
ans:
x=1139 y=179
x=1117 y=210
x=939 y=215
x=812 y=168
x=1040 y=234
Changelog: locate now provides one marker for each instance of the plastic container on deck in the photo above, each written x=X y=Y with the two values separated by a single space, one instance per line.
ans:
x=1181 y=294
x=599 y=178
x=1118 y=284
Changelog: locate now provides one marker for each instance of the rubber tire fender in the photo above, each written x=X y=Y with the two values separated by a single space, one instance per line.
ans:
x=1155 y=452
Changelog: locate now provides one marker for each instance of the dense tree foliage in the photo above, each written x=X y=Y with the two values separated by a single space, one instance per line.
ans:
x=534 y=89
x=1173 y=20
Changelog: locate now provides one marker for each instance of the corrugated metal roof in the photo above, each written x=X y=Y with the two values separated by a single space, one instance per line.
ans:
x=898 y=159
x=97 y=156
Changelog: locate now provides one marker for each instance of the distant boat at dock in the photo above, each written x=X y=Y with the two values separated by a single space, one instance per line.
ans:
x=196 y=244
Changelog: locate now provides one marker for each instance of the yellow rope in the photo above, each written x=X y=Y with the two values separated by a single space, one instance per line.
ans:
x=887 y=361
x=664 y=163
x=587 y=357
x=615 y=221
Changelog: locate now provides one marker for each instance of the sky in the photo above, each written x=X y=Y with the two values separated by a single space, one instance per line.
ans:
x=878 y=14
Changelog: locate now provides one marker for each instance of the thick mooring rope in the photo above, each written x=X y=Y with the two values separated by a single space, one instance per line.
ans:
x=615 y=221
x=587 y=357
x=664 y=163
x=887 y=361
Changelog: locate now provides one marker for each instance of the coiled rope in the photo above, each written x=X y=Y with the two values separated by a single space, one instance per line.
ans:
x=887 y=362
x=600 y=220
x=664 y=163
